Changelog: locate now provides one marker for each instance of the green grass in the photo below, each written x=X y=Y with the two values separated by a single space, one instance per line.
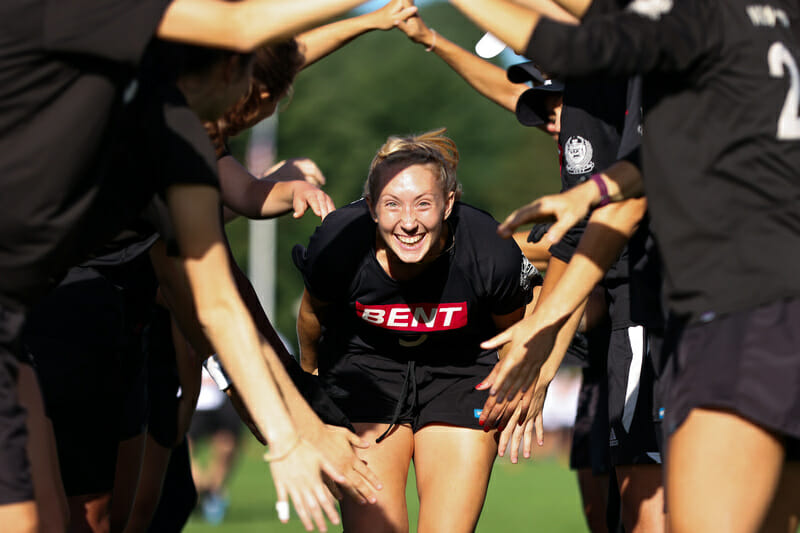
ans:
x=540 y=495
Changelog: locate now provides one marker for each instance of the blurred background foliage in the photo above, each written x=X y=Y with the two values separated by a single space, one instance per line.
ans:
x=344 y=107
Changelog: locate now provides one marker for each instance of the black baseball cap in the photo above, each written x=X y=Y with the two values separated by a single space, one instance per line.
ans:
x=531 y=109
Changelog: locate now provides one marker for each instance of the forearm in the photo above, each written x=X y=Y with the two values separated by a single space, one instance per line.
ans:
x=320 y=42
x=511 y=23
x=562 y=10
x=247 y=24
x=309 y=332
x=485 y=77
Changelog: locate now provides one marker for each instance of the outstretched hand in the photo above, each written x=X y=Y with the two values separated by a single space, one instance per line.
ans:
x=354 y=477
x=564 y=210
x=529 y=346
x=305 y=195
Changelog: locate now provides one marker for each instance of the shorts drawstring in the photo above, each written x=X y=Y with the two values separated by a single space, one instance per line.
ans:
x=411 y=378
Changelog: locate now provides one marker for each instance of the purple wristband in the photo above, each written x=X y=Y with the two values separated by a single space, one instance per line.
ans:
x=604 y=197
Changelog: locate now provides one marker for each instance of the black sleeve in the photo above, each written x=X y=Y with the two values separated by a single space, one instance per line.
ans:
x=118 y=30
x=631 y=137
x=629 y=42
x=334 y=251
x=187 y=156
x=504 y=272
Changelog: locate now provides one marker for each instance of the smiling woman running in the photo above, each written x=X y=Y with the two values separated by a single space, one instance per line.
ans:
x=401 y=287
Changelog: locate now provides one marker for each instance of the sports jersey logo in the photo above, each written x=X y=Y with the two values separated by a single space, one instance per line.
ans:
x=417 y=317
x=578 y=154
x=652 y=9
x=527 y=273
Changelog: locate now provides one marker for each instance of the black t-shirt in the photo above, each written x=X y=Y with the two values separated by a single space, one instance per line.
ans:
x=439 y=317
x=64 y=69
x=720 y=152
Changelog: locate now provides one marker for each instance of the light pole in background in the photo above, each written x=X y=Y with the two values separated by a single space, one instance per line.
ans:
x=263 y=234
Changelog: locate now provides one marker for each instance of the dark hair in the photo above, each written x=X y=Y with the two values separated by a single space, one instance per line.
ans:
x=171 y=60
x=274 y=70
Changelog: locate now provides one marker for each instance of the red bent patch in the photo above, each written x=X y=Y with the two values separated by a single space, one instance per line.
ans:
x=417 y=317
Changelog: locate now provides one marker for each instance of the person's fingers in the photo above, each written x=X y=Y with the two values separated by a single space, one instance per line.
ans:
x=515 y=443
x=539 y=429
x=326 y=504
x=491 y=401
x=404 y=14
x=333 y=488
x=524 y=215
x=314 y=507
x=355 y=440
x=527 y=442
x=368 y=481
x=489 y=380
x=559 y=229
x=300 y=508
x=282 y=505
x=502 y=338
x=327 y=206
x=299 y=205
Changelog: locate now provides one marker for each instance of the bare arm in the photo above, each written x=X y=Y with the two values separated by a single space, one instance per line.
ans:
x=534 y=338
x=554 y=9
x=224 y=320
x=511 y=23
x=485 y=77
x=622 y=179
x=309 y=331
x=266 y=198
x=319 y=42
x=247 y=24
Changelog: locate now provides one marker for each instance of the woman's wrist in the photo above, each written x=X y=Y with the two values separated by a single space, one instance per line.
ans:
x=278 y=452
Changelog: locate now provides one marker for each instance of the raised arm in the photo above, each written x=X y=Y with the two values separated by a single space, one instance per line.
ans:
x=620 y=181
x=554 y=8
x=535 y=353
x=246 y=24
x=485 y=77
x=319 y=42
x=267 y=197
x=297 y=467
x=511 y=23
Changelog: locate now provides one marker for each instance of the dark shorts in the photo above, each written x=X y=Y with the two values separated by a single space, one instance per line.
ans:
x=15 y=479
x=162 y=380
x=207 y=422
x=634 y=428
x=90 y=368
x=376 y=389
x=590 y=434
x=746 y=362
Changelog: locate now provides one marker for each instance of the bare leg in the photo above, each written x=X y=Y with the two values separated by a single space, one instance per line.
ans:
x=712 y=481
x=224 y=446
x=41 y=447
x=784 y=513
x=90 y=513
x=594 y=495
x=642 y=493
x=19 y=517
x=453 y=465
x=126 y=479
x=148 y=493
x=390 y=461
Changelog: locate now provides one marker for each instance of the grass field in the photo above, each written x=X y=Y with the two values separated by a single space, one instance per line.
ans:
x=540 y=495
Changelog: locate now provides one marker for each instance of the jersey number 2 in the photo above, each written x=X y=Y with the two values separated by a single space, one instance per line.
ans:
x=780 y=60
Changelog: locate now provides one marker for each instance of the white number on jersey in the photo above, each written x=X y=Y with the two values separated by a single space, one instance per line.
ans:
x=780 y=60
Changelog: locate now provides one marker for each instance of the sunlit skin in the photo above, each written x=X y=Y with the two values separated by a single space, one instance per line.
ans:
x=410 y=210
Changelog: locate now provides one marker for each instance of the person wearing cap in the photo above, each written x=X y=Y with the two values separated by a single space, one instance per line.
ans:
x=714 y=200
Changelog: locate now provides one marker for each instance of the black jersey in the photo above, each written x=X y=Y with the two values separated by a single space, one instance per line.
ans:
x=720 y=152
x=64 y=70
x=438 y=317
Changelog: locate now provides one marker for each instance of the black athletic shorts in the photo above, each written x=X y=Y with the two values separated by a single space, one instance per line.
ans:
x=75 y=336
x=371 y=388
x=162 y=380
x=590 y=433
x=15 y=479
x=634 y=429
x=209 y=421
x=747 y=362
